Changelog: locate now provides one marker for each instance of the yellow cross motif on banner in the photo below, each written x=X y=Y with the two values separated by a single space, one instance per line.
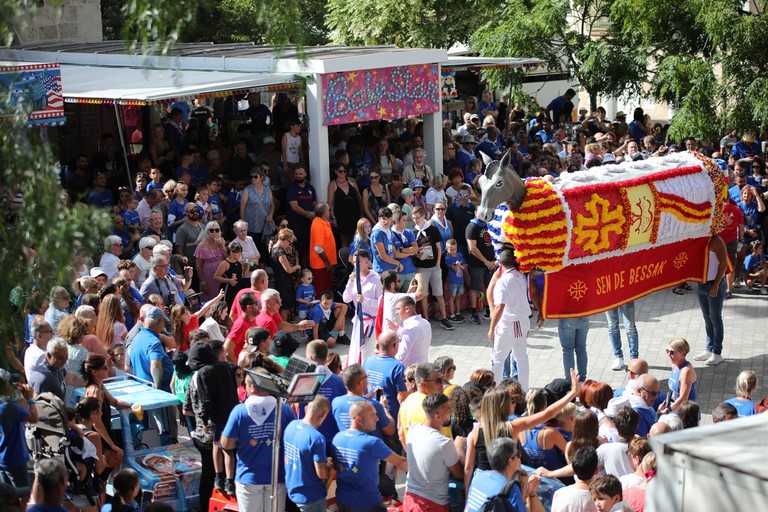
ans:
x=592 y=231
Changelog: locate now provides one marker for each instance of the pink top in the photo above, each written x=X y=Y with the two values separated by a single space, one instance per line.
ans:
x=94 y=346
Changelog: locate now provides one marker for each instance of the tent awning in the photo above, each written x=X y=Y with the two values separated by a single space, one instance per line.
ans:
x=102 y=84
x=480 y=63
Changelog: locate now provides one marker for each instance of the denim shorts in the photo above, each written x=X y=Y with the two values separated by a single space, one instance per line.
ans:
x=455 y=289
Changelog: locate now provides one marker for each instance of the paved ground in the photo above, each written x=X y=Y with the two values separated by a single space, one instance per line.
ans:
x=660 y=317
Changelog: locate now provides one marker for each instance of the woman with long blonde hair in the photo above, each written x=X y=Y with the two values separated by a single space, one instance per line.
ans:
x=110 y=325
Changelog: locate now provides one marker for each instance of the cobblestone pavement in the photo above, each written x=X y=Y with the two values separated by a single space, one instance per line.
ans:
x=660 y=317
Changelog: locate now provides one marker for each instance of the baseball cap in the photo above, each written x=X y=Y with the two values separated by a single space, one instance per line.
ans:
x=10 y=495
x=257 y=335
x=406 y=192
x=474 y=116
x=614 y=405
x=155 y=313
x=468 y=139
x=608 y=157
x=268 y=140
x=283 y=344
x=416 y=183
x=97 y=271
x=748 y=137
x=583 y=109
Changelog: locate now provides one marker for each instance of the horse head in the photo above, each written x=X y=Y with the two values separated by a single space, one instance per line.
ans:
x=500 y=184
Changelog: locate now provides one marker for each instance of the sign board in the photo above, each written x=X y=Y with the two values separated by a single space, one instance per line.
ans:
x=35 y=88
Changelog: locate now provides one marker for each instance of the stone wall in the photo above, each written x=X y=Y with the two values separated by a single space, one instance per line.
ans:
x=73 y=21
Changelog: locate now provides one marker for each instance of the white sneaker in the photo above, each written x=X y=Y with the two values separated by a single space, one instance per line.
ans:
x=704 y=356
x=618 y=364
x=715 y=360
x=763 y=291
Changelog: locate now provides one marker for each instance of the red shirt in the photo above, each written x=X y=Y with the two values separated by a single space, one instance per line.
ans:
x=269 y=322
x=186 y=329
x=237 y=334
x=732 y=219
x=235 y=306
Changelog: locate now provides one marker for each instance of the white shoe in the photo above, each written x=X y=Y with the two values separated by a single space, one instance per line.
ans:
x=618 y=364
x=704 y=356
x=763 y=291
x=715 y=360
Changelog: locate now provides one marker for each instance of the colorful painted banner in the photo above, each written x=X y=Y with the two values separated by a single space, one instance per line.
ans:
x=587 y=289
x=34 y=87
x=383 y=93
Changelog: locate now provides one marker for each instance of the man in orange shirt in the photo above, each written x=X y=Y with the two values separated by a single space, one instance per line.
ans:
x=322 y=254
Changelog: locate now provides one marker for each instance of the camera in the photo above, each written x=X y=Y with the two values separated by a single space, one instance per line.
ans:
x=171 y=298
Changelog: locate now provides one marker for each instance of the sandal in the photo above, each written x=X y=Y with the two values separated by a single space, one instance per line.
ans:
x=685 y=286
x=677 y=290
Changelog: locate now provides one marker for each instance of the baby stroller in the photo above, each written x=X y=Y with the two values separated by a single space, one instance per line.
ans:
x=50 y=437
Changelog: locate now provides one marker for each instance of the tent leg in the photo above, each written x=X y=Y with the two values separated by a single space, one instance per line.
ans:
x=123 y=143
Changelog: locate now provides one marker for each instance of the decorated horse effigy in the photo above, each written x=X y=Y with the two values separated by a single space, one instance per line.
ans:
x=610 y=235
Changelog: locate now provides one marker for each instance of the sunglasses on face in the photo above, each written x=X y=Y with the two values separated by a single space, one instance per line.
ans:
x=439 y=209
x=214 y=230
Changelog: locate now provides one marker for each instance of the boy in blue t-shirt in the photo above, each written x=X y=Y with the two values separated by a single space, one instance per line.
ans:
x=456 y=268
x=329 y=318
x=156 y=175
x=305 y=293
x=754 y=267
x=131 y=216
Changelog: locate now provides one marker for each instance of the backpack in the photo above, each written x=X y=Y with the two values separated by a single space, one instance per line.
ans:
x=500 y=502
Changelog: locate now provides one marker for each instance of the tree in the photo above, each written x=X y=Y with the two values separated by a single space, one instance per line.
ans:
x=575 y=36
x=706 y=57
x=409 y=24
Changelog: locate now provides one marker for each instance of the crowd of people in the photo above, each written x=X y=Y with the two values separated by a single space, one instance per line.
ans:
x=222 y=259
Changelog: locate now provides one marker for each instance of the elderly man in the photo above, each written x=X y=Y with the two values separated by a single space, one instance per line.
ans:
x=415 y=333
x=250 y=431
x=145 y=208
x=41 y=333
x=143 y=259
x=113 y=249
x=419 y=170
x=168 y=287
x=642 y=402
x=259 y=283
x=51 y=480
x=322 y=254
x=270 y=318
x=357 y=454
x=48 y=375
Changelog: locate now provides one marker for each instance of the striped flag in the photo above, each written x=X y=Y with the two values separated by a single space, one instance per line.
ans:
x=52 y=84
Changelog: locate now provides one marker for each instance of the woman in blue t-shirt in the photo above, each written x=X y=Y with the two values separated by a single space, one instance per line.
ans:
x=637 y=128
x=682 y=379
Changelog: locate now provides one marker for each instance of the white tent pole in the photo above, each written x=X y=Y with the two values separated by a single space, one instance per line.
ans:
x=123 y=142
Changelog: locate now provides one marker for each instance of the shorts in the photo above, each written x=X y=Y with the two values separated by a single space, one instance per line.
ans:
x=413 y=503
x=303 y=314
x=405 y=281
x=479 y=278
x=433 y=279
x=455 y=289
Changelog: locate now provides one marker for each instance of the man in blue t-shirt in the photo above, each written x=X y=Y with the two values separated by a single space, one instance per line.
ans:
x=251 y=430
x=148 y=357
x=556 y=107
x=642 y=402
x=332 y=386
x=357 y=455
x=306 y=461
x=356 y=381
x=387 y=373
x=301 y=199
x=13 y=414
x=505 y=460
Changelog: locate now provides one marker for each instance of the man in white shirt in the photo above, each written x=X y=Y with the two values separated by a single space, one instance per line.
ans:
x=614 y=458
x=415 y=334
x=577 y=497
x=113 y=248
x=390 y=283
x=42 y=333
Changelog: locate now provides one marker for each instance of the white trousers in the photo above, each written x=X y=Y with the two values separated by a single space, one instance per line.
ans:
x=511 y=336
x=258 y=498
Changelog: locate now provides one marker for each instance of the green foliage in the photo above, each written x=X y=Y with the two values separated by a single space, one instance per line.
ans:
x=565 y=36
x=405 y=23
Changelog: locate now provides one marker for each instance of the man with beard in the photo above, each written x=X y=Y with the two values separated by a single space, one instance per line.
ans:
x=432 y=457
x=301 y=198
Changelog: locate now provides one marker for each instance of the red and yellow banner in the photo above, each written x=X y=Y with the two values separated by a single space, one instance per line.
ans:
x=590 y=288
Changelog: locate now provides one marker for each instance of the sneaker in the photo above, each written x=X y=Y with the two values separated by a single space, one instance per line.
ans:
x=704 y=356
x=453 y=319
x=343 y=340
x=618 y=364
x=218 y=482
x=715 y=360
x=487 y=314
x=229 y=487
x=459 y=318
x=763 y=291
x=475 y=319
x=447 y=325
x=728 y=295
x=737 y=284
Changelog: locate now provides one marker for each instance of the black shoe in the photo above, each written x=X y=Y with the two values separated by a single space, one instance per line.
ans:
x=219 y=482
x=229 y=487
x=343 y=340
x=447 y=325
x=487 y=314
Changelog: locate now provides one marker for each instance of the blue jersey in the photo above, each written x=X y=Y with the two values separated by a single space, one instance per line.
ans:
x=753 y=261
x=307 y=292
x=647 y=419
x=176 y=211
x=131 y=218
x=487 y=484
x=402 y=241
x=304 y=446
x=13 y=446
x=254 y=441
x=743 y=406
x=381 y=236
x=357 y=457
x=331 y=387
x=152 y=186
x=388 y=374
x=340 y=408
